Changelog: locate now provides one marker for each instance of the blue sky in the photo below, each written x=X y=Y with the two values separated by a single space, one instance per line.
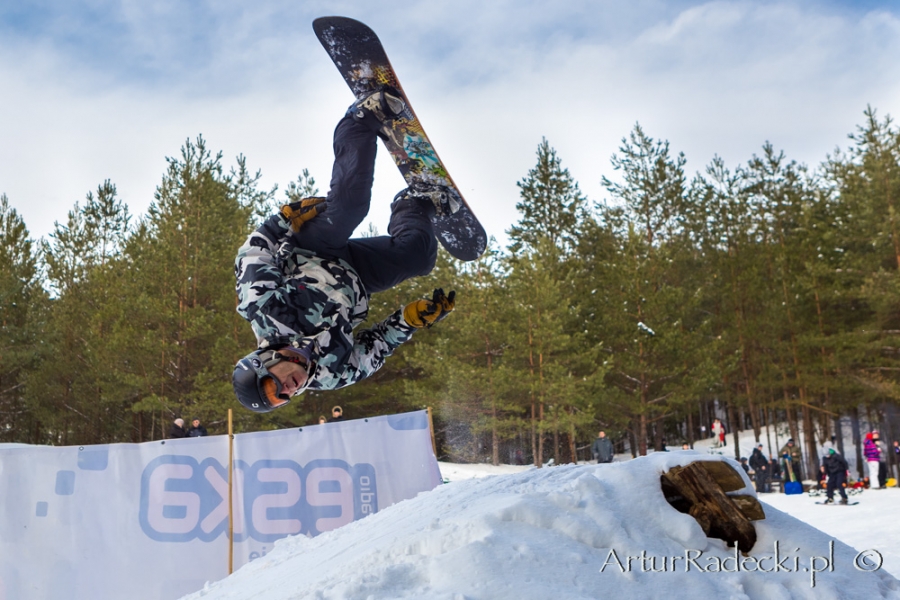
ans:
x=103 y=89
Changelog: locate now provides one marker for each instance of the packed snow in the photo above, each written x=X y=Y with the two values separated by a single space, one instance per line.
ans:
x=574 y=531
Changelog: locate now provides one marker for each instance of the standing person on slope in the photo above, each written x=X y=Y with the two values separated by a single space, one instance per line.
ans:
x=718 y=431
x=305 y=292
x=602 y=449
x=794 y=457
x=760 y=465
x=873 y=458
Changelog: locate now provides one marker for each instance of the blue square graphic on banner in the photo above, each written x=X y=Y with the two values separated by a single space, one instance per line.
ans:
x=65 y=483
x=41 y=509
x=93 y=459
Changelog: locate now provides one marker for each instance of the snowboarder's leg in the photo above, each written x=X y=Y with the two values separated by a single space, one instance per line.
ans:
x=840 y=483
x=832 y=484
x=409 y=249
x=347 y=203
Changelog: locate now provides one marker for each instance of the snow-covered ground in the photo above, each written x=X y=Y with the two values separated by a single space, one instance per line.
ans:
x=584 y=531
x=874 y=523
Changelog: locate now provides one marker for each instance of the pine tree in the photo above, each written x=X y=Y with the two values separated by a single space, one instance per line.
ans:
x=21 y=303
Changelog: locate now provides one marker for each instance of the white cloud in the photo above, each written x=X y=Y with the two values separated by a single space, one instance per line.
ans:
x=488 y=81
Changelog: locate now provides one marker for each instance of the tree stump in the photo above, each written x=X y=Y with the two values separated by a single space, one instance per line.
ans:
x=699 y=490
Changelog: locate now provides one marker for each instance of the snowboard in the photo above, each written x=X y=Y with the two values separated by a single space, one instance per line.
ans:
x=706 y=490
x=359 y=56
x=838 y=503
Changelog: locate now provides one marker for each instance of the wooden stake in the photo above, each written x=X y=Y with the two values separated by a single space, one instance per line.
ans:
x=230 y=494
x=431 y=429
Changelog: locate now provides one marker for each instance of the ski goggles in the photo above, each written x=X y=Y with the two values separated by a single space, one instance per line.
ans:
x=270 y=389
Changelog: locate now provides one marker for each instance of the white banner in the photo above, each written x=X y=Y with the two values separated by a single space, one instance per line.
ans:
x=150 y=521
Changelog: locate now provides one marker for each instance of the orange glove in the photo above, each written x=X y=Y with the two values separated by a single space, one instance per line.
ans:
x=425 y=313
x=298 y=213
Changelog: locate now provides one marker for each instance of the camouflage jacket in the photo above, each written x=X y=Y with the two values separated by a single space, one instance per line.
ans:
x=293 y=297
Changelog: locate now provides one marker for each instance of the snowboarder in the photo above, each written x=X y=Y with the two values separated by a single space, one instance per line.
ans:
x=304 y=293
x=602 y=449
x=836 y=468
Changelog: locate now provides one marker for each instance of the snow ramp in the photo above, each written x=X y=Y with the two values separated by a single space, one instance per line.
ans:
x=603 y=531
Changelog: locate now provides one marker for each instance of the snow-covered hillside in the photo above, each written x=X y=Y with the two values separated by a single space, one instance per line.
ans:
x=563 y=532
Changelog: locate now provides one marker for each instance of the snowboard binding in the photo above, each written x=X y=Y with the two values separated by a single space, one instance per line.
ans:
x=378 y=109
x=445 y=200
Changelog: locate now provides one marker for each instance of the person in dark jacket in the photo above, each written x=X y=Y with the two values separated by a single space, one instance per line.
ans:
x=760 y=465
x=602 y=449
x=337 y=414
x=197 y=430
x=836 y=468
x=177 y=430
x=304 y=293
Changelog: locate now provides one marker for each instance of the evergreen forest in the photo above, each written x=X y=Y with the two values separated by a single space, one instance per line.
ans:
x=761 y=292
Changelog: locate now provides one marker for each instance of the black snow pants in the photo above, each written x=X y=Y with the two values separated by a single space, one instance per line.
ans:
x=836 y=482
x=409 y=249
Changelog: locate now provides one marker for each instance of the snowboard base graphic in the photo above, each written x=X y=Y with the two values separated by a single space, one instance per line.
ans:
x=364 y=65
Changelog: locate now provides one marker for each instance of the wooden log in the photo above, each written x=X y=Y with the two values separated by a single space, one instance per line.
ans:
x=700 y=493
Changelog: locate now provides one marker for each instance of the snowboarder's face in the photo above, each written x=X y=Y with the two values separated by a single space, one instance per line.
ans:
x=292 y=376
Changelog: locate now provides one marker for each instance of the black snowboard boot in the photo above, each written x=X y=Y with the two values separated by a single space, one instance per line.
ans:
x=378 y=109
x=445 y=200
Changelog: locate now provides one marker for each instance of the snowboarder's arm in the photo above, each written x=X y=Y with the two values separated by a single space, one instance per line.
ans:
x=258 y=277
x=372 y=347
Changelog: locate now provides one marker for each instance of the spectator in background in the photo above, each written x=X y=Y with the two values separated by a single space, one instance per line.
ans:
x=337 y=414
x=882 y=461
x=177 y=430
x=685 y=446
x=520 y=457
x=718 y=431
x=896 y=453
x=197 y=430
x=796 y=460
x=760 y=465
x=745 y=466
x=872 y=452
x=322 y=419
x=774 y=469
x=823 y=476
x=602 y=449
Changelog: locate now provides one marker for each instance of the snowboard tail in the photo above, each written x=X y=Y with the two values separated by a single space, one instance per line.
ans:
x=701 y=488
x=360 y=58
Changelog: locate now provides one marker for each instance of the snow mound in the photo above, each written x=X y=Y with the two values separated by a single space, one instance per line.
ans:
x=563 y=532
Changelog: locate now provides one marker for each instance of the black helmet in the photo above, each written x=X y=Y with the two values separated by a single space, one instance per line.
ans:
x=254 y=386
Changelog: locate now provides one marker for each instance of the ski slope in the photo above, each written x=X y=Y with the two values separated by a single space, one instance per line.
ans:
x=584 y=531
